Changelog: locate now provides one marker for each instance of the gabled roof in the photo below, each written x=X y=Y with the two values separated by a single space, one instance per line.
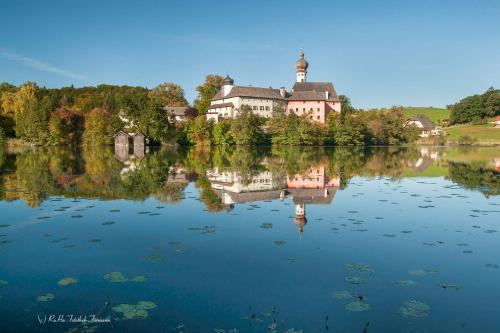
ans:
x=176 y=110
x=120 y=132
x=256 y=92
x=307 y=96
x=426 y=122
x=221 y=105
x=316 y=86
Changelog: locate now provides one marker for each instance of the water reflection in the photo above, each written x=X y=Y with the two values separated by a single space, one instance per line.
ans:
x=229 y=177
x=203 y=238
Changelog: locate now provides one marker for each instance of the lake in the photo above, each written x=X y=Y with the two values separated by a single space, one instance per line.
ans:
x=293 y=239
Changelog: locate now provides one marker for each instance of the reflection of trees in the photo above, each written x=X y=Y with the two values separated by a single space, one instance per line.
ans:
x=34 y=175
x=475 y=176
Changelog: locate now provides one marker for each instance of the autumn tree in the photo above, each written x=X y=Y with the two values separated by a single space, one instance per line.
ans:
x=207 y=91
x=100 y=126
x=168 y=93
x=29 y=110
x=65 y=126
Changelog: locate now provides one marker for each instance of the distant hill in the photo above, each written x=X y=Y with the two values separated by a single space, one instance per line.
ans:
x=433 y=114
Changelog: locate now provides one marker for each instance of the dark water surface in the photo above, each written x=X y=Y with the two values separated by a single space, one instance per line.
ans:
x=262 y=240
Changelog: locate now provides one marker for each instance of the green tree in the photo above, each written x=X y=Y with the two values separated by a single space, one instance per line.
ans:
x=156 y=123
x=221 y=133
x=352 y=131
x=206 y=92
x=246 y=128
x=199 y=131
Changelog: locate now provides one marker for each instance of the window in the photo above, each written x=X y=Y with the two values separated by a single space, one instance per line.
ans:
x=296 y=109
x=310 y=117
x=311 y=109
x=255 y=107
x=261 y=108
x=267 y=108
x=318 y=117
x=319 y=109
x=303 y=109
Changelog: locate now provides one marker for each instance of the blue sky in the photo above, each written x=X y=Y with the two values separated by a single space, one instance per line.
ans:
x=379 y=53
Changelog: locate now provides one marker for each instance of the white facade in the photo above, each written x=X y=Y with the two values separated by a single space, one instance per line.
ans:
x=301 y=76
x=263 y=107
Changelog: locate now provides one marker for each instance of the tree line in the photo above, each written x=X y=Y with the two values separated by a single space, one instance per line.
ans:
x=476 y=108
x=92 y=115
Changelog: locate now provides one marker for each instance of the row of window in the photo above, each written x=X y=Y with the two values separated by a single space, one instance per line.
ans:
x=304 y=109
x=261 y=108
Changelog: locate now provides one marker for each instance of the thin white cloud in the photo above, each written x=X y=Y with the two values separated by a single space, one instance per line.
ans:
x=41 y=66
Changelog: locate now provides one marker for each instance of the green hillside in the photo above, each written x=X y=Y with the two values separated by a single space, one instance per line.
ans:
x=434 y=114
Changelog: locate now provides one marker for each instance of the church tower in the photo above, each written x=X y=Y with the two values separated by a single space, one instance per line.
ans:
x=301 y=68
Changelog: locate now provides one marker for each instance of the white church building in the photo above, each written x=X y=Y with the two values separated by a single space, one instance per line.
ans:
x=313 y=100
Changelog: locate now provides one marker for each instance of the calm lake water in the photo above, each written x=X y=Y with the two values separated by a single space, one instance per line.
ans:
x=262 y=240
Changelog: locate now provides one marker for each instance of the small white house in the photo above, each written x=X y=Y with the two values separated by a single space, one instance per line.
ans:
x=425 y=125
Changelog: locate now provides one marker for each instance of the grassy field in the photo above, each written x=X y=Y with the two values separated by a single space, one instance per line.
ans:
x=485 y=134
x=434 y=114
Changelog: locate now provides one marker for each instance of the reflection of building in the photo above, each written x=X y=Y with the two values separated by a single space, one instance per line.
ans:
x=309 y=188
x=232 y=188
x=427 y=157
x=312 y=187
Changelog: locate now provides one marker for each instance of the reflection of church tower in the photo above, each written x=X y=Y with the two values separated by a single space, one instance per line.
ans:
x=300 y=217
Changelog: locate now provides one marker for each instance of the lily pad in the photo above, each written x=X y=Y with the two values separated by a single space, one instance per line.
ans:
x=354 y=280
x=280 y=242
x=45 y=298
x=422 y=271
x=115 y=277
x=406 y=283
x=449 y=285
x=155 y=257
x=135 y=311
x=3 y=283
x=67 y=281
x=4 y=225
x=415 y=309
x=360 y=267
x=139 y=278
x=492 y=265
x=266 y=225
x=357 y=306
x=344 y=294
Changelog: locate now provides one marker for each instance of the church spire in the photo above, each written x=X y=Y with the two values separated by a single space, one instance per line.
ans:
x=301 y=68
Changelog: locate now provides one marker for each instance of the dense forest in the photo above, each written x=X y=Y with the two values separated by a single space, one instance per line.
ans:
x=476 y=108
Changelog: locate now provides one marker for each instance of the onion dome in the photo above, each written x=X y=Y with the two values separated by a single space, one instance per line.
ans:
x=302 y=63
x=227 y=81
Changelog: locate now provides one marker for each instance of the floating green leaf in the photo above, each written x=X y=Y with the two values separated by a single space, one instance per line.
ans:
x=414 y=308
x=357 y=306
x=67 y=281
x=45 y=298
x=115 y=277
